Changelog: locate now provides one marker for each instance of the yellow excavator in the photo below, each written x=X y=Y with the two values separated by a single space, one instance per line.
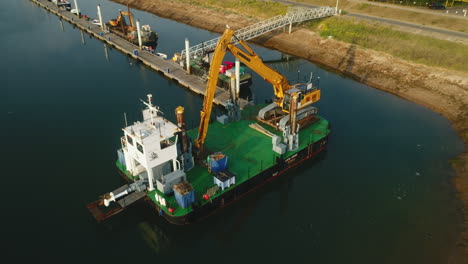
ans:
x=120 y=23
x=307 y=93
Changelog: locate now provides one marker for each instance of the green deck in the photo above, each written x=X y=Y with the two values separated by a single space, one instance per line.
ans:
x=249 y=152
x=227 y=79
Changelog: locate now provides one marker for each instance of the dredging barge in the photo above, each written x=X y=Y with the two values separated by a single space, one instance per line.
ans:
x=185 y=180
x=119 y=27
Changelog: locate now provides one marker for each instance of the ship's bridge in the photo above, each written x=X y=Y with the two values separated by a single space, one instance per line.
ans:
x=152 y=129
x=150 y=150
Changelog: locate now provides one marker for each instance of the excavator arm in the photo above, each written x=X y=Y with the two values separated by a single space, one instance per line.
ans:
x=254 y=62
x=205 y=114
x=282 y=89
x=130 y=17
x=120 y=21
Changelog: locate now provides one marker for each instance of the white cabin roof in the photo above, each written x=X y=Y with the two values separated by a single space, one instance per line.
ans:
x=161 y=129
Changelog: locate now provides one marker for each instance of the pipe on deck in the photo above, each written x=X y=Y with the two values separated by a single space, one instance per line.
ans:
x=293 y=113
x=179 y=111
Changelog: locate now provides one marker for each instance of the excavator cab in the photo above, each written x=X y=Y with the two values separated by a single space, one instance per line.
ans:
x=308 y=94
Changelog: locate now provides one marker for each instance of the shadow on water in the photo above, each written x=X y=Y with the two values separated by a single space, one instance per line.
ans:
x=224 y=224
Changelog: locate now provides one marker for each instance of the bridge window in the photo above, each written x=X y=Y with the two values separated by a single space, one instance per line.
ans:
x=129 y=140
x=139 y=147
x=167 y=143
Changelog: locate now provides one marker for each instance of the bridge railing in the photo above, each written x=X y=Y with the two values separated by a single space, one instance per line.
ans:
x=294 y=15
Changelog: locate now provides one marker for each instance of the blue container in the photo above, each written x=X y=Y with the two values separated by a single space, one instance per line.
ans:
x=135 y=52
x=185 y=200
x=218 y=162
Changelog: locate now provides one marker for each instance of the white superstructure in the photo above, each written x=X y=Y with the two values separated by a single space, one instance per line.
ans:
x=150 y=150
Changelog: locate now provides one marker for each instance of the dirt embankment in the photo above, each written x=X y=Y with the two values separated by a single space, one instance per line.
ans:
x=441 y=90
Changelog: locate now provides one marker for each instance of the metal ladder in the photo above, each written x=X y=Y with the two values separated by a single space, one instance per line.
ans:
x=294 y=15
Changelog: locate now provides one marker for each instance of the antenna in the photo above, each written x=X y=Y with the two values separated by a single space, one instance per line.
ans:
x=125 y=117
x=311 y=76
x=149 y=99
x=151 y=108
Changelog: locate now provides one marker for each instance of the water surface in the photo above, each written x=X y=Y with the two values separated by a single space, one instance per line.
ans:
x=383 y=193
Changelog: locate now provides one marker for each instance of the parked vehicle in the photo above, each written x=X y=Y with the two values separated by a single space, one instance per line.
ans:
x=436 y=6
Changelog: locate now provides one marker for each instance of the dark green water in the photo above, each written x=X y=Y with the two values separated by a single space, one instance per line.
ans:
x=382 y=194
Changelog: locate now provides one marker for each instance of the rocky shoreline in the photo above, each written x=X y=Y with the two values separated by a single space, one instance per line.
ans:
x=444 y=91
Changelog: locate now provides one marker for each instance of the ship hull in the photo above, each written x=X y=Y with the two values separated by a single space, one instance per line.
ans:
x=146 y=40
x=312 y=151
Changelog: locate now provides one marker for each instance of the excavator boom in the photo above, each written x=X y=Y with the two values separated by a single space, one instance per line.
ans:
x=307 y=94
x=205 y=114
x=253 y=61
x=120 y=21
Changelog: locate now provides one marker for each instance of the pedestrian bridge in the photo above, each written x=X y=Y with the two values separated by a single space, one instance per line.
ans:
x=294 y=15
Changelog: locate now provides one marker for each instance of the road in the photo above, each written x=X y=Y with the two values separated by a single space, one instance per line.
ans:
x=390 y=21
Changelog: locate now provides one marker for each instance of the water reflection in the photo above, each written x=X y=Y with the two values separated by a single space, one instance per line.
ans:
x=82 y=38
x=154 y=236
x=106 y=52
x=347 y=203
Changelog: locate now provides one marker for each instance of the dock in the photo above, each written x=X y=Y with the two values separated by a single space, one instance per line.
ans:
x=168 y=68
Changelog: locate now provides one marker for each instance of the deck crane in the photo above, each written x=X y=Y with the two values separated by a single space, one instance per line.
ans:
x=307 y=93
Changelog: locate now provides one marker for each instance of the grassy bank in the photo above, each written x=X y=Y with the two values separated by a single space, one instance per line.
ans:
x=407 y=15
x=412 y=47
x=252 y=8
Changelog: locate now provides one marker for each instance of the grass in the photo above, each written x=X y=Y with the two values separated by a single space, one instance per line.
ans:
x=408 y=46
x=410 y=15
x=412 y=47
x=252 y=8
